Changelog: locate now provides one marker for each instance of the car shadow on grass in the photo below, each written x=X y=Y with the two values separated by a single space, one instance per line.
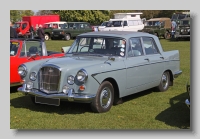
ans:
x=14 y=89
x=64 y=108
x=178 y=114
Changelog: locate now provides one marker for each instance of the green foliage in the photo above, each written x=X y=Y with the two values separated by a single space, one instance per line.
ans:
x=16 y=15
x=92 y=16
x=144 y=110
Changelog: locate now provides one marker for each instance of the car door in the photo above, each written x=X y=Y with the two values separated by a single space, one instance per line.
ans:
x=87 y=28
x=155 y=58
x=137 y=66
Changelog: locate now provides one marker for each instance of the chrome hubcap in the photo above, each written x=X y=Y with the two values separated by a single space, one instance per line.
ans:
x=46 y=37
x=164 y=81
x=105 y=98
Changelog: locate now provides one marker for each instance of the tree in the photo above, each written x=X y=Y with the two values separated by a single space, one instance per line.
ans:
x=94 y=17
x=16 y=15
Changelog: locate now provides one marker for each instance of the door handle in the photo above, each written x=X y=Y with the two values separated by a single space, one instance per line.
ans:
x=162 y=57
x=146 y=59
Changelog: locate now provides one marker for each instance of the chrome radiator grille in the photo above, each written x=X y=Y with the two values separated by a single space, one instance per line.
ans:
x=49 y=79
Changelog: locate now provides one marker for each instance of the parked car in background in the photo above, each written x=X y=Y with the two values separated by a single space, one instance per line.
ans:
x=48 y=27
x=161 y=27
x=71 y=30
x=103 y=25
x=26 y=50
x=100 y=68
x=187 y=101
x=183 y=30
x=125 y=22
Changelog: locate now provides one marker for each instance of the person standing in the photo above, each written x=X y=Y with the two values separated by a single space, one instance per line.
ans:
x=31 y=30
x=173 y=26
x=40 y=33
x=13 y=33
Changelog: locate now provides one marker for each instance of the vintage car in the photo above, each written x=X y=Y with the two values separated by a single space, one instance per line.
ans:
x=71 y=30
x=26 y=50
x=187 y=101
x=183 y=30
x=100 y=68
x=161 y=27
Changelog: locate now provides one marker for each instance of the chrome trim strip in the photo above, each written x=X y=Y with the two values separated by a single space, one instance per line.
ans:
x=70 y=96
x=177 y=73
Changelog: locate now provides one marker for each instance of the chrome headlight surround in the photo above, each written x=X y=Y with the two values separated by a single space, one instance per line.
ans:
x=82 y=76
x=22 y=70
x=33 y=76
x=70 y=79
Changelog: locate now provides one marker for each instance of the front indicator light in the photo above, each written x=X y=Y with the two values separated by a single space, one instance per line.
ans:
x=82 y=87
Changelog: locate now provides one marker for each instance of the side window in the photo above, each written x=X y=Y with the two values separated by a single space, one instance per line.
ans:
x=135 y=47
x=81 y=26
x=150 y=46
x=125 y=23
x=76 y=26
x=87 y=25
x=71 y=25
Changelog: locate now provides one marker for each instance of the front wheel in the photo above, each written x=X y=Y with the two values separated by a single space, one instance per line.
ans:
x=164 y=83
x=104 y=98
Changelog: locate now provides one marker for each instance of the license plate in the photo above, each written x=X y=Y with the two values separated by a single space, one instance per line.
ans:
x=56 y=35
x=48 y=101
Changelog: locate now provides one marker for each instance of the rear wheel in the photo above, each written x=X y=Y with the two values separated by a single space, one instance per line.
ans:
x=164 y=83
x=167 y=35
x=104 y=98
x=46 y=37
x=67 y=37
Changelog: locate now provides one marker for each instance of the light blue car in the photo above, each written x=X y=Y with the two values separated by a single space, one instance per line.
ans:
x=101 y=68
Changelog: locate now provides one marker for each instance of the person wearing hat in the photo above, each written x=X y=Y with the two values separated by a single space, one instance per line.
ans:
x=123 y=43
x=40 y=33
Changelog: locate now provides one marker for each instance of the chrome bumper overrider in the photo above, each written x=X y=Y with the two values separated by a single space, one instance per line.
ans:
x=176 y=74
x=70 y=96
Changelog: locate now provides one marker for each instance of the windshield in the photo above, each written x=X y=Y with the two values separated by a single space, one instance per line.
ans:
x=114 y=24
x=98 y=46
x=14 y=48
x=185 y=22
x=104 y=24
x=178 y=16
x=16 y=25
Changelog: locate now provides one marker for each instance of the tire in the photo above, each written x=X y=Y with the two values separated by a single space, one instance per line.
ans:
x=104 y=98
x=46 y=37
x=167 y=35
x=164 y=82
x=67 y=37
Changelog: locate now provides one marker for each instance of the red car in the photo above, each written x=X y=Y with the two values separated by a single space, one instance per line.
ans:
x=26 y=50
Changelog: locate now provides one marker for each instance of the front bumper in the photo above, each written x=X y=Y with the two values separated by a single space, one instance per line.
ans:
x=70 y=96
x=182 y=36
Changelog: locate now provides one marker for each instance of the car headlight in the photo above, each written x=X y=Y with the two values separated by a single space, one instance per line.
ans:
x=29 y=85
x=52 y=32
x=70 y=80
x=82 y=75
x=182 y=30
x=33 y=76
x=22 y=70
x=188 y=30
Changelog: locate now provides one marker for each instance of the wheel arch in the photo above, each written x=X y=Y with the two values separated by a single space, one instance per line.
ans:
x=115 y=87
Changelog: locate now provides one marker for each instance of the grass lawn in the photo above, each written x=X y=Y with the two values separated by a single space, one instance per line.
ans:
x=144 y=110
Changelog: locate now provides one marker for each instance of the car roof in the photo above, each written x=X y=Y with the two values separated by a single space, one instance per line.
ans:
x=56 y=22
x=117 y=34
x=160 y=19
